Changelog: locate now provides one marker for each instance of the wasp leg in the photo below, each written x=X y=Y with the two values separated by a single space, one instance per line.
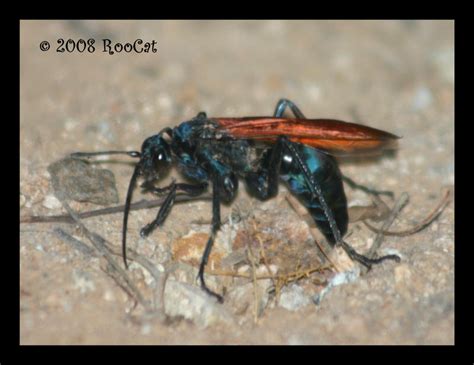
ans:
x=188 y=189
x=192 y=189
x=172 y=189
x=364 y=260
x=316 y=192
x=149 y=187
x=285 y=103
x=263 y=183
x=216 y=223
x=365 y=189
x=162 y=213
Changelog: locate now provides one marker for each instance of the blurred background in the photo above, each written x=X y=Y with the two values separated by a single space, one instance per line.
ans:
x=392 y=75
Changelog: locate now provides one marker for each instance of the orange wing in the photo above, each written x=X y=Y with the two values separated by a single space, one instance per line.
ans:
x=327 y=134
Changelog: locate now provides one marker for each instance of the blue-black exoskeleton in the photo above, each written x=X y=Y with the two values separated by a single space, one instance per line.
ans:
x=216 y=153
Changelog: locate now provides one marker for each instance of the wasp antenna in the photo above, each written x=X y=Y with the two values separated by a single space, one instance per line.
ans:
x=131 y=187
x=91 y=154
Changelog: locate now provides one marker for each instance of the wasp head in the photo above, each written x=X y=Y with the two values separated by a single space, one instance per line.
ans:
x=155 y=157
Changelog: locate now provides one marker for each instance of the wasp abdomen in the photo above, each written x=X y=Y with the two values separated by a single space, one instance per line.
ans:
x=325 y=172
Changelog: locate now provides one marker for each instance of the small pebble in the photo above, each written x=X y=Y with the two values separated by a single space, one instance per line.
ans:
x=22 y=200
x=314 y=92
x=402 y=274
x=243 y=269
x=146 y=329
x=443 y=60
x=164 y=101
x=293 y=298
x=70 y=124
x=109 y=296
x=422 y=98
x=194 y=304
x=83 y=281
x=51 y=202
x=391 y=251
x=341 y=278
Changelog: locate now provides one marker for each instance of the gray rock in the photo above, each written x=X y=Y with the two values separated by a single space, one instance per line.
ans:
x=76 y=179
x=293 y=298
x=194 y=304
x=345 y=277
x=243 y=297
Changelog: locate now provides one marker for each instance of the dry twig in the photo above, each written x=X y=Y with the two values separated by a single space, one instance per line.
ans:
x=401 y=202
x=100 y=246
x=143 y=204
x=444 y=201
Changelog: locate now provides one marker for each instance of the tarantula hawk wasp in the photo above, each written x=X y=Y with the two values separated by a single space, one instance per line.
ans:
x=260 y=151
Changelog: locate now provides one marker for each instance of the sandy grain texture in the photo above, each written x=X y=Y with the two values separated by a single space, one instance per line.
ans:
x=393 y=75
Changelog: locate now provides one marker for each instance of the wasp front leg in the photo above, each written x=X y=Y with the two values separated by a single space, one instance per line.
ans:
x=188 y=189
x=173 y=188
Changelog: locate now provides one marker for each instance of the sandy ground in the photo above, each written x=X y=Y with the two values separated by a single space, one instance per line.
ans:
x=396 y=76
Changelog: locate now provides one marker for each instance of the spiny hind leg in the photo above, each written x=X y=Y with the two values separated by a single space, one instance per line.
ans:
x=316 y=191
x=365 y=189
x=285 y=103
